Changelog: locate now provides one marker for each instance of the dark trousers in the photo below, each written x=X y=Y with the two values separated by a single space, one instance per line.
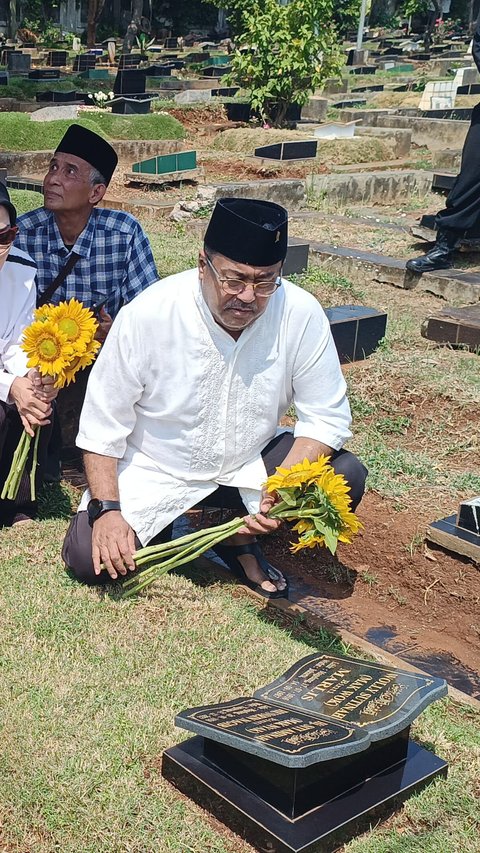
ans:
x=11 y=430
x=462 y=210
x=77 y=546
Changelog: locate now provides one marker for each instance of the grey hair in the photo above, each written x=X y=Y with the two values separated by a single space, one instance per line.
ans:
x=96 y=177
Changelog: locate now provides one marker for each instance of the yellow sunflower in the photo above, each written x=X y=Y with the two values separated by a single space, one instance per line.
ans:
x=297 y=475
x=43 y=313
x=68 y=374
x=47 y=348
x=76 y=322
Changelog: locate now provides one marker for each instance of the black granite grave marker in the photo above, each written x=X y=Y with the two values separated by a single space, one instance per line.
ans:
x=4 y=78
x=131 y=82
x=84 y=61
x=308 y=761
x=51 y=96
x=131 y=106
x=296 y=260
x=57 y=58
x=44 y=74
x=357 y=330
x=159 y=71
x=468 y=517
x=18 y=62
x=297 y=150
x=129 y=60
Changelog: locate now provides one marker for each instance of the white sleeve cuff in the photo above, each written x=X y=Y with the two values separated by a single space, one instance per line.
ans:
x=6 y=380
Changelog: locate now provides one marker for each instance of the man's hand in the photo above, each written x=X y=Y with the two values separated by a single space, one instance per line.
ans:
x=113 y=543
x=44 y=385
x=260 y=524
x=104 y=325
x=33 y=411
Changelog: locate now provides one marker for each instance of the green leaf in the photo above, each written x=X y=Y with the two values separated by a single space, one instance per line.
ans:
x=287 y=496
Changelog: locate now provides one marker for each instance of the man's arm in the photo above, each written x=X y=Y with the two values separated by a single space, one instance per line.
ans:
x=113 y=540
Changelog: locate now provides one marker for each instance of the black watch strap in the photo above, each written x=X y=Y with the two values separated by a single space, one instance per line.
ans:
x=97 y=507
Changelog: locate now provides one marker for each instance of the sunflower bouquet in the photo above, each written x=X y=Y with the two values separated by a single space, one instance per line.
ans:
x=59 y=342
x=309 y=494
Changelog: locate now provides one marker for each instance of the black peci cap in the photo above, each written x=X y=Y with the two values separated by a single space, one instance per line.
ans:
x=91 y=147
x=5 y=201
x=248 y=231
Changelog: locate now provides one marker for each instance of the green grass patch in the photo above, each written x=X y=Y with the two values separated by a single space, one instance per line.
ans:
x=92 y=685
x=21 y=134
x=25 y=200
x=328 y=285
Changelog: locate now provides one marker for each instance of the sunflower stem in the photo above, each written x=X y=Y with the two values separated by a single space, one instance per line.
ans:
x=34 y=465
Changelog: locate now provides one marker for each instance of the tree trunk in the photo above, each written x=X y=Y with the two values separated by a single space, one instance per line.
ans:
x=95 y=9
x=12 y=13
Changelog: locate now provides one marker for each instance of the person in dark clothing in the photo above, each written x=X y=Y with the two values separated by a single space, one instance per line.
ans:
x=462 y=208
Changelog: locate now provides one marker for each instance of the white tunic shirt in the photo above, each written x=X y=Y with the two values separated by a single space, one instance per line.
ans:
x=17 y=302
x=185 y=408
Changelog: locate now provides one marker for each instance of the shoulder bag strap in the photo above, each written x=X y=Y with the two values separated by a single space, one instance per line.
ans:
x=47 y=294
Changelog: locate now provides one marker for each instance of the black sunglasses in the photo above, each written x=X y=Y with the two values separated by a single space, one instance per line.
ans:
x=8 y=234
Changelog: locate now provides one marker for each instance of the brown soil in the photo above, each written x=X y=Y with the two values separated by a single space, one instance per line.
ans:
x=390 y=587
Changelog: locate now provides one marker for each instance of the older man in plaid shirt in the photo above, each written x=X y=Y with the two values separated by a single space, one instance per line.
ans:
x=101 y=257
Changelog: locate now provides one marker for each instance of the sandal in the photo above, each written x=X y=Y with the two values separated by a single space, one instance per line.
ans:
x=229 y=554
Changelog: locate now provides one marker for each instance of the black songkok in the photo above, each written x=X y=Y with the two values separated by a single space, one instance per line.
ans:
x=248 y=231
x=91 y=147
x=5 y=201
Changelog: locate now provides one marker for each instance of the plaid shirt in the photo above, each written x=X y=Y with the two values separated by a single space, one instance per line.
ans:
x=115 y=264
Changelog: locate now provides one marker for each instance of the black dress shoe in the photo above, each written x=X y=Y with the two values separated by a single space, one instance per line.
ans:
x=440 y=257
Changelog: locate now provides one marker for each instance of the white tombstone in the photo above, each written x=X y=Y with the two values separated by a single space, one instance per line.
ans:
x=193 y=96
x=466 y=76
x=442 y=103
x=335 y=130
x=65 y=111
x=438 y=89
x=76 y=44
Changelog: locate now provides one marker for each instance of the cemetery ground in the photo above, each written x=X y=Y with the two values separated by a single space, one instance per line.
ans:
x=93 y=683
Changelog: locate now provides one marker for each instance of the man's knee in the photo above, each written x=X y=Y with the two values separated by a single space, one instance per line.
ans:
x=77 y=550
x=354 y=472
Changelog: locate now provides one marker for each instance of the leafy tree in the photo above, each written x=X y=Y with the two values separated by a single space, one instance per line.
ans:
x=283 y=53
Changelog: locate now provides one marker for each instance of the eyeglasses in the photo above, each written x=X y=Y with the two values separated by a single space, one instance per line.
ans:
x=235 y=286
x=8 y=234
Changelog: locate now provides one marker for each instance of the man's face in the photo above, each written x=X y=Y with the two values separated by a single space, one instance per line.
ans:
x=234 y=312
x=67 y=186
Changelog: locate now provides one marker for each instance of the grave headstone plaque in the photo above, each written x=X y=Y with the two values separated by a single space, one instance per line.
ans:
x=297 y=150
x=18 y=63
x=57 y=58
x=84 y=61
x=356 y=330
x=131 y=106
x=129 y=60
x=4 y=78
x=306 y=763
x=131 y=82
x=44 y=74
x=296 y=259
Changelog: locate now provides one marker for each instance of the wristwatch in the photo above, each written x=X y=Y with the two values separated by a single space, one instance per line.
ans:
x=96 y=508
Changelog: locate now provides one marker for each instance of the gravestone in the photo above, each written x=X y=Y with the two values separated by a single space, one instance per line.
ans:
x=57 y=58
x=44 y=74
x=68 y=111
x=4 y=77
x=129 y=60
x=356 y=330
x=297 y=150
x=308 y=761
x=216 y=70
x=459 y=533
x=296 y=259
x=438 y=89
x=336 y=130
x=51 y=96
x=193 y=96
x=131 y=82
x=131 y=106
x=18 y=63
x=164 y=164
x=84 y=61
x=158 y=71
x=458 y=327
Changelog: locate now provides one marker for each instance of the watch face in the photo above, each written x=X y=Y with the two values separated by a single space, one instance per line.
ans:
x=94 y=508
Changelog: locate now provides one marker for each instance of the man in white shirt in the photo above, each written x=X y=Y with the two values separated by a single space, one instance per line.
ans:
x=24 y=396
x=187 y=394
